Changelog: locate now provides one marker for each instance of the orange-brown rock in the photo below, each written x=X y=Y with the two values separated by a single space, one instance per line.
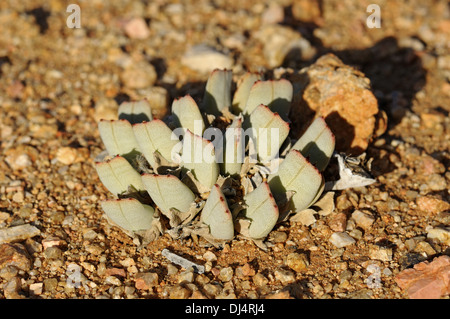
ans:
x=342 y=95
x=427 y=280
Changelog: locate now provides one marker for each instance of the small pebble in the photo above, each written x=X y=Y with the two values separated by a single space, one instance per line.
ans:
x=186 y=276
x=245 y=271
x=424 y=247
x=226 y=274
x=137 y=28
x=66 y=155
x=212 y=289
x=115 y=272
x=338 y=222
x=380 y=253
x=12 y=288
x=306 y=217
x=18 y=161
x=89 y=234
x=7 y=272
x=50 y=284
x=36 y=289
x=363 y=219
x=209 y=256
x=440 y=233
x=203 y=58
x=139 y=75
x=113 y=281
x=18 y=197
x=341 y=239
x=52 y=241
x=284 y=276
x=259 y=280
x=273 y=14
x=179 y=292
x=53 y=253
x=171 y=269
x=277 y=236
x=146 y=280
x=297 y=262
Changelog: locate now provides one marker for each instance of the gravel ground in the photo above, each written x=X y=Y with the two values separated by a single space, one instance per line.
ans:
x=56 y=82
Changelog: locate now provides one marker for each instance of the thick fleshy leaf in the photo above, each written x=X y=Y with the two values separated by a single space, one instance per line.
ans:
x=187 y=115
x=261 y=210
x=270 y=131
x=167 y=191
x=276 y=94
x=217 y=215
x=155 y=136
x=218 y=92
x=317 y=144
x=118 y=137
x=199 y=157
x=243 y=90
x=135 y=112
x=117 y=175
x=233 y=147
x=296 y=174
x=129 y=213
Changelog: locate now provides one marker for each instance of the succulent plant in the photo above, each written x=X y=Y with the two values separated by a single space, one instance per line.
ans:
x=223 y=167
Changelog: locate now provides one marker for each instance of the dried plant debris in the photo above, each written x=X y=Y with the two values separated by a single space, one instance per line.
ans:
x=183 y=262
x=241 y=177
x=353 y=172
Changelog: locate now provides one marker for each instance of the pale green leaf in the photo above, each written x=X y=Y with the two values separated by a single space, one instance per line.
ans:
x=187 y=115
x=233 y=146
x=135 y=112
x=217 y=215
x=167 y=191
x=276 y=94
x=117 y=175
x=218 y=92
x=155 y=136
x=129 y=213
x=261 y=210
x=244 y=86
x=198 y=155
x=317 y=144
x=296 y=174
x=269 y=131
x=118 y=137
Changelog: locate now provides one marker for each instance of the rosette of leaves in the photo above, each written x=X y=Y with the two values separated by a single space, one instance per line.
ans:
x=222 y=167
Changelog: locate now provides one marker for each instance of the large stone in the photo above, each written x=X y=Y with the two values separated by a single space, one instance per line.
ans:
x=440 y=234
x=282 y=44
x=18 y=233
x=14 y=255
x=427 y=280
x=342 y=95
x=139 y=75
x=203 y=58
x=431 y=206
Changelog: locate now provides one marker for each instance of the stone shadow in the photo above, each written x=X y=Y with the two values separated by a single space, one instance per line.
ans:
x=395 y=71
